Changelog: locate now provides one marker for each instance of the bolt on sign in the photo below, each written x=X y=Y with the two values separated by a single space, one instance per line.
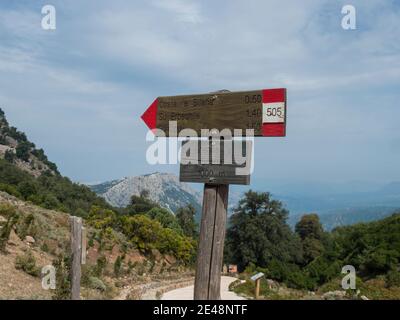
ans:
x=264 y=111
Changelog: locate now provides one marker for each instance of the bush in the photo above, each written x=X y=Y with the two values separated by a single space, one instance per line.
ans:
x=392 y=279
x=100 y=266
x=27 y=227
x=27 y=263
x=22 y=150
x=118 y=266
x=96 y=283
x=147 y=234
x=11 y=190
x=27 y=188
x=63 y=281
x=50 y=202
x=166 y=218
x=12 y=215
x=299 y=280
x=9 y=156
x=234 y=284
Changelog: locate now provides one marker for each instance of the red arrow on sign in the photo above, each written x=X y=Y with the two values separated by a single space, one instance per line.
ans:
x=150 y=115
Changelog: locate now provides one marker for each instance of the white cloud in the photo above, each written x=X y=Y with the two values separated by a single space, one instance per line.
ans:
x=104 y=65
x=184 y=10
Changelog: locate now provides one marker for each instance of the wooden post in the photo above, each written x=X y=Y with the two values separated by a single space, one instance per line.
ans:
x=211 y=243
x=76 y=256
x=84 y=246
x=258 y=288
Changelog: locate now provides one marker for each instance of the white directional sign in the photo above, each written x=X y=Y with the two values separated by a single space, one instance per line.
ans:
x=257 y=276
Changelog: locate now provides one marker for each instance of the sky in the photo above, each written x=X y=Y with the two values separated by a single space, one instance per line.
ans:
x=78 y=91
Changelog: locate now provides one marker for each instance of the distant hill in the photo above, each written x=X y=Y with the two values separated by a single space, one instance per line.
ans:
x=163 y=188
x=387 y=196
x=342 y=217
x=334 y=209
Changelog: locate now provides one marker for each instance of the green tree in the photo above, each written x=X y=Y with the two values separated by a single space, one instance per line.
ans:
x=9 y=156
x=27 y=188
x=140 y=205
x=22 y=150
x=258 y=233
x=309 y=226
x=312 y=248
x=166 y=218
x=186 y=219
x=147 y=234
x=311 y=233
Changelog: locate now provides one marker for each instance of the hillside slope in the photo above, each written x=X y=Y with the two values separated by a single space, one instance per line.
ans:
x=44 y=234
x=17 y=149
x=127 y=255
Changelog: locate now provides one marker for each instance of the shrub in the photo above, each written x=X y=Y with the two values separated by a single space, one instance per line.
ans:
x=234 y=284
x=27 y=188
x=393 y=279
x=9 y=156
x=50 y=201
x=166 y=218
x=118 y=266
x=27 y=263
x=10 y=189
x=44 y=247
x=299 y=280
x=12 y=215
x=147 y=234
x=26 y=226
x=100 y=266
x=63 y=281
x=22 y=150
x=96 y=283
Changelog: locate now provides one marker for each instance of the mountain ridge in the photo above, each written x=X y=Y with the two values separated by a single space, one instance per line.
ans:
x=163 y=188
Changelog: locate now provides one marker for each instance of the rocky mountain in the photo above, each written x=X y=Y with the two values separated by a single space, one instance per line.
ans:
x=18 y=150
x=163 y=188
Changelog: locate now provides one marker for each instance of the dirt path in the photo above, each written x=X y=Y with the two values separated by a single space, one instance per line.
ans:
x=186 y=293
x=153 y=289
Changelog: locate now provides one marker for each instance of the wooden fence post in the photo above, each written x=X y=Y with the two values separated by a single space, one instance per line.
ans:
x=76 y=256
x=211 y=243
x=84 y=245
x=257 y=288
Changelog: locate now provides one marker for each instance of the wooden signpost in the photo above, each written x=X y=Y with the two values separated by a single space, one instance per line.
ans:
x=263 y=111
x=257 y=278
x=78 y=255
